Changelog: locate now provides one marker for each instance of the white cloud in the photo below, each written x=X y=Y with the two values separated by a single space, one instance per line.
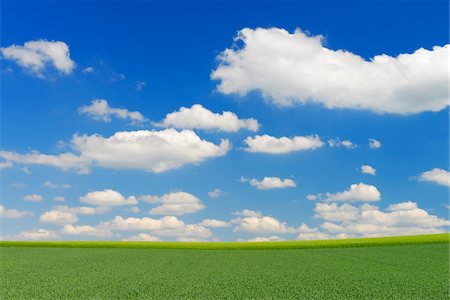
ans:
x=34 y=235
x=213 y=223
x=58 y=217
x=13 y=213
x=86 y=230
x=140 y=85
x=273 y=238
x=311 y=197
x=436 y=175
x=6 y=165
x=64 y=161
x=254 y=222
x=247 y=213
x=404 y=218
x=198 y=117
x=338 y=143
x=176 y=203
x=366 y=169
x=374 y=144
x=59 y=199
x=269 y=144
x=52 y=185
x=88 y=70
x=83 y=210
x=107 y=197
x=270 y=183
x=216 y=193
x=155 y=151
x=296 y=68
x=100 y=110
x=311 y=233
x=37 y=55
x=166 y=226
x=356 y=192
x=33 y=198
x=143 y=237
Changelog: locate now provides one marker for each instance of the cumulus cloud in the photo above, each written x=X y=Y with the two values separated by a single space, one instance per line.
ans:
x=107 y=197
x=404 y=218
x=33 y=198
x=198 y=117
x=366 y=169
x=311 y=233
x=52 y=185
x=155 y=151
x=338 y=143
x=374 y=144
x=268 y=183
x=436 y=175
x=273 y=238
x=143 y=237
x=296 y=68
x=86 y=230
x=58 y=217
x=83 y=210
x=216 y=193
x=166 y=226
x=13 y=213
x=37 y=55
x=254 y=222
x=269 y=144
x=213 y=223
x=100 y=110
x=34 y=235
x=176 y=203
x=356 y=192
x=312 y=197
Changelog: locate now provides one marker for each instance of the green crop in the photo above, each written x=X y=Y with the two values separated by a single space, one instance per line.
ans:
x=387 y=272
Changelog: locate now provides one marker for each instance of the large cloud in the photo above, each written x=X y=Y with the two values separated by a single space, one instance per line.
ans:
x=13 y=213
x=436 y=175
x=155 y=151
x=273 y=145
x=100 y=110
x=176 y=203
x=58 y=217
x=198 y=117
x=107 y=197
x=289 y=68
x=37 y=55
x=356 y=192
x=254 y=222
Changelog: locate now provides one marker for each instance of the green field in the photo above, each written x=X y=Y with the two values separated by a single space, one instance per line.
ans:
x=399 y=268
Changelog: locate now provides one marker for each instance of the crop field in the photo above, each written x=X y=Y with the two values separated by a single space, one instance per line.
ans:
x=389 y=268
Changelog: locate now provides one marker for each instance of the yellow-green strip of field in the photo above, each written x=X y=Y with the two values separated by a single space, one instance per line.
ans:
x=340 y=243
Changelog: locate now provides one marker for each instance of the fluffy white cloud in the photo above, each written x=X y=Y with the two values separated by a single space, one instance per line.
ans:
x=273 y=238
x=374 y=144
x=143 y=237
x=404 y=218
x=338 y=143
x=13 y=213
x=213 y=223
x=311 y=197
x=254 y=222
x=52 y=185
x=436 y=175
x=83 y=210
x=100 y=110
x=37 y=55
x=33 y=198
x=58 y=217
x=34 y=235
x=366 y=169
x=198 y=117
x=64 y=161
x=155 y=151
x=270 y=183
x=166 y=226
x=176 y=203
x=356 y=192
x=311 y=233
x=86 y=230
x=269 y=144
x=216 y=193
x=295 y=68
x=107 y=197
x=247 y=213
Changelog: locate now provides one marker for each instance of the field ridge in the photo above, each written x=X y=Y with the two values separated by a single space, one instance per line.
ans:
x=339 y=243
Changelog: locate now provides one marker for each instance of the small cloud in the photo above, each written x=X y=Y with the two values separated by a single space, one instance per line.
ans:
x=216 y=193
x=374 y=144
x=140 y=85
x=338 y=143
x=33 y=198
x=51 y=185
x=366 y=169
x=59 y=199
x=88 y=70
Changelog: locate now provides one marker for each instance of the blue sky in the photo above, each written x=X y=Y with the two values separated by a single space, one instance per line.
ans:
x=326 y=96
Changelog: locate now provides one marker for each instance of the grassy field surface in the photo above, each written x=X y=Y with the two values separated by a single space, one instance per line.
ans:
x=388 y=272
x=361 y=242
